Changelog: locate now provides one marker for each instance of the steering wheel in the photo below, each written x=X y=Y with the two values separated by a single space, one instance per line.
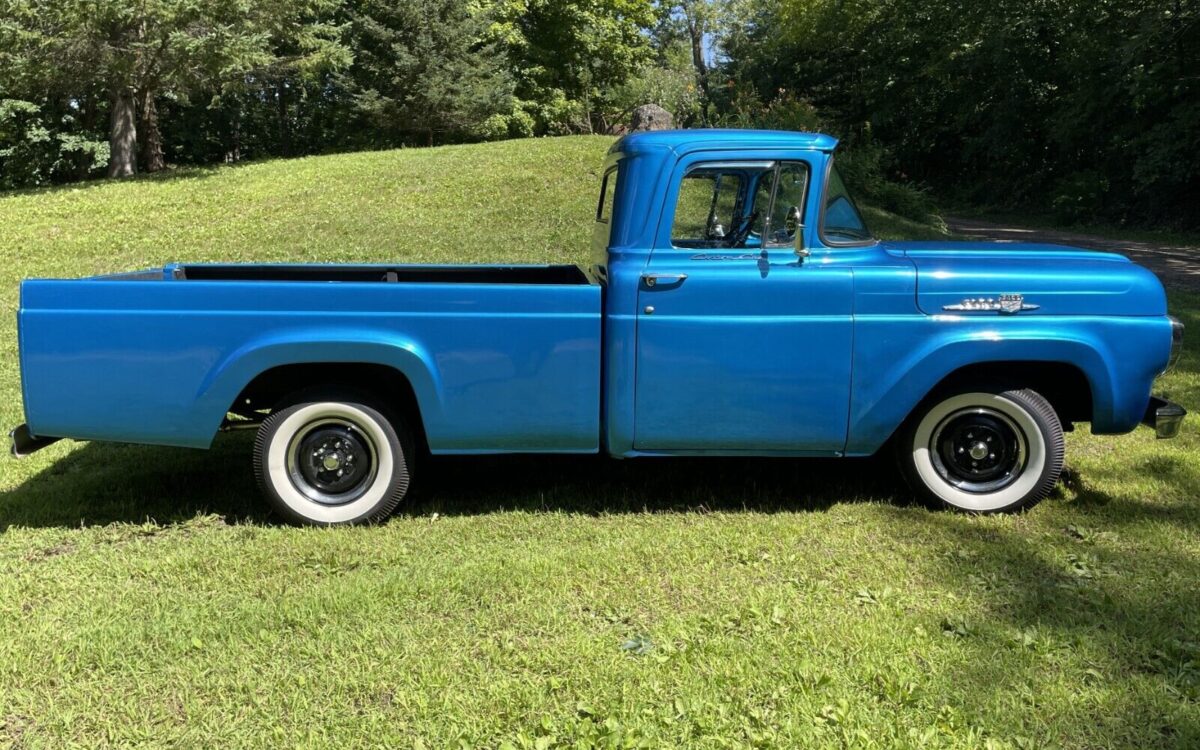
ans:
x=742 y=230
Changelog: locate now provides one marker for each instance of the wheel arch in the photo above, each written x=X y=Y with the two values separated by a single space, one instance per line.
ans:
x=1063 y=384
x=400 y=372
x=384 y=382
x=1072 y=375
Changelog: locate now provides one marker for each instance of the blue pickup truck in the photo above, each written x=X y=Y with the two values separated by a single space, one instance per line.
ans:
x=736 y=305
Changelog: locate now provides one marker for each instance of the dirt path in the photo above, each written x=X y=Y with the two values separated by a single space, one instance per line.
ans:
x=1177 y=265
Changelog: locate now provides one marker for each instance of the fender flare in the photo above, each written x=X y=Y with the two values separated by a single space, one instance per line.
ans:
x=239 y=368
x=875 y=417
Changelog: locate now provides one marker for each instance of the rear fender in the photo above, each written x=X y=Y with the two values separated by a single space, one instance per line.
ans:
x=319 y=346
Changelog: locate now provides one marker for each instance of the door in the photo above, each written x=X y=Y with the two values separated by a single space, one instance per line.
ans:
x=742 y=346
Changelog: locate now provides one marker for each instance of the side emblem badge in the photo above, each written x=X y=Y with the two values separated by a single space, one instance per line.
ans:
x=1006 y=304
x=1011 y=303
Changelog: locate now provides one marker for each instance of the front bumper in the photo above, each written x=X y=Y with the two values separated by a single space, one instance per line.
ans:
x=25 y=442
x=1164 y=416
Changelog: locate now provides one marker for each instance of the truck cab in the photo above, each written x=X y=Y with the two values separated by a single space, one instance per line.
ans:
x=727 y=286
x=736 y=304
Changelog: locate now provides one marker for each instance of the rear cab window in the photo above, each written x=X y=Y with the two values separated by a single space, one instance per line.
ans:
x=607 y=190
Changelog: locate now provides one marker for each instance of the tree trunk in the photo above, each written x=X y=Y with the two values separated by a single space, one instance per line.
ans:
x=152 y=153
x=122 y=136
x=234 y=153
x=696 y=37
x=285 y=130
x=88 y=117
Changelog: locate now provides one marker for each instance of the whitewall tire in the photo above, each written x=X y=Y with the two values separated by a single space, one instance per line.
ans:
x=983 y=450
x=330 y=458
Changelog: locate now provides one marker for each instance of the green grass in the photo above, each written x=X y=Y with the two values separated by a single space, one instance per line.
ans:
x=145 y=598
x=889 y=226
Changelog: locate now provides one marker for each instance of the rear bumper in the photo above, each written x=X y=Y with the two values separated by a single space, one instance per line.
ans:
x=25 y=442
x=1164 y=416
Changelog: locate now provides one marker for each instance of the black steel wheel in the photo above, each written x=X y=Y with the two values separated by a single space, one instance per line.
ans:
x=329 y=457
x=983 y=449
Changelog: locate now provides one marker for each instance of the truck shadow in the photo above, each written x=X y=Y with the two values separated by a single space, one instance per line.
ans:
x=1088 y=587
x=98 y=484
x=593 y=484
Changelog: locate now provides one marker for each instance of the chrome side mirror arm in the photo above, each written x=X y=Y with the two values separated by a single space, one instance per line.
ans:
x=801 y=251
x=793 y=224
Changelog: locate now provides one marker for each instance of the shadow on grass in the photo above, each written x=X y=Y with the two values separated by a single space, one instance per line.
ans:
x=186 y=172
x=103 y=483
x=1129 y=608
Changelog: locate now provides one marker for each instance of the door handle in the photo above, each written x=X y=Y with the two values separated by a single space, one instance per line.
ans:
x=655 y=279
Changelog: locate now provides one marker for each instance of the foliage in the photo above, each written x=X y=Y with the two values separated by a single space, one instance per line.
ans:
x=132 y=51
x=864 y=163
x=671 y=83
x=776 y=604
x=244 y=79
x=692 y=25
x=568 y=56
x=33 y=154
x=422 y=68
x=1087 y=111
x=1090 y=109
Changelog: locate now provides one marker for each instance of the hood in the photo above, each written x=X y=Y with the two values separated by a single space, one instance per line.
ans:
x=1059 y=280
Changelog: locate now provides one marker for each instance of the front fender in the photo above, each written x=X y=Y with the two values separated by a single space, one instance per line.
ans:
x=316 y=346
x=898 y=364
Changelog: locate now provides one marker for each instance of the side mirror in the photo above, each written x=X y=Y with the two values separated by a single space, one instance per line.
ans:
x=792 y=221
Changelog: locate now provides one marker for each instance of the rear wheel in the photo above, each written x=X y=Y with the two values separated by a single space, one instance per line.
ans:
x=329 y=457
x=983 y=450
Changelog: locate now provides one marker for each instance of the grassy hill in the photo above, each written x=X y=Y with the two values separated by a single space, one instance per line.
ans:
x=146 y=600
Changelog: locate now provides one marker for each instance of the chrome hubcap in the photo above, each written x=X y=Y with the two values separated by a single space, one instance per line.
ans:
x=979 y=451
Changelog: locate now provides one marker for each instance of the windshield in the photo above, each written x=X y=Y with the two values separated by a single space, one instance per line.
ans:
x=842 y=223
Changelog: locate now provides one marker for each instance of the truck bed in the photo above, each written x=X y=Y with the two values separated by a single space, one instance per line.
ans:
x=500 y=358
x=411 y=274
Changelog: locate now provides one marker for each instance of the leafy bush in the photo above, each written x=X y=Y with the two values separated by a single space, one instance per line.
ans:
x=785 y=112
x=672 y=85
x=1079 y=196
x=37 y=150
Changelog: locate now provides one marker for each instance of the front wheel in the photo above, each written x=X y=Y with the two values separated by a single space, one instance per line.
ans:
x=330 y=458
x=983 y=450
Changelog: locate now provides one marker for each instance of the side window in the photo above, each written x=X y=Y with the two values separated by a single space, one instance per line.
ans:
x=741 y=204
x=842 y=224
x=607 y=190
x=787 y=211
x=708 y=207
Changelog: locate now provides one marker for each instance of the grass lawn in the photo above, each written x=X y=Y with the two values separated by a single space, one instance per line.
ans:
x=145 y=598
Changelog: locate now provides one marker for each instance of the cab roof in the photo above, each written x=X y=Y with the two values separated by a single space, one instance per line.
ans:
x=681 y=141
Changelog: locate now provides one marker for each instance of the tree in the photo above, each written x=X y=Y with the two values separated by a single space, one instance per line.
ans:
x=694 y=23
x=670 y=82
x=137 y=50
x=1084 y=109
x=423 y=68
x=568 y=57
